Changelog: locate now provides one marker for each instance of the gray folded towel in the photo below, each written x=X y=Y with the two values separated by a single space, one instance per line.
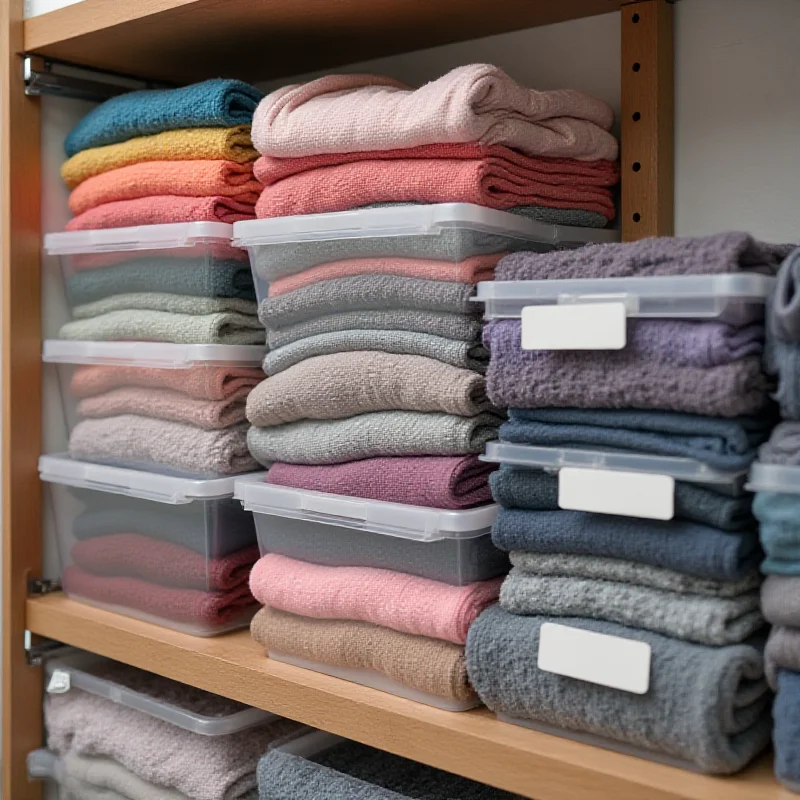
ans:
x=780 y=600
x=782 y=652
x=783 y=446
x=785 y=317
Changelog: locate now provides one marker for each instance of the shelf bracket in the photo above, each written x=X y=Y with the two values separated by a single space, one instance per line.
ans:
x=40 y=586
x=38 y=649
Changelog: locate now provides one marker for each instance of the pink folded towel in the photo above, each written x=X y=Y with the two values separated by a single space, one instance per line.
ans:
x=479 y=102
x=393 y=600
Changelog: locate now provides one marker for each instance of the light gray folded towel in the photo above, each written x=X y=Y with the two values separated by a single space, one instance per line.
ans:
x=163 y=301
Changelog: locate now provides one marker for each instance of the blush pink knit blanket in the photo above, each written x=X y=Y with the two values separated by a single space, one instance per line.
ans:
x=390 y=599
x=478 y=102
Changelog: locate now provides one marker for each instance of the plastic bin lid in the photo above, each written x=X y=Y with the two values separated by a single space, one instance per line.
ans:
x=139 y=237
x=145 y=485
x=411 y=220
x=555 y=458
x=773 y=478
x=43 y=765
x=307 y=742
x=375 y=516
x=163 y=355
x=75 y=672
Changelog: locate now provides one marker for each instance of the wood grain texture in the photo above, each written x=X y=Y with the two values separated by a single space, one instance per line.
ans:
x=189 y=40
x=473 y=744
x=21 y=359
x=647 y=140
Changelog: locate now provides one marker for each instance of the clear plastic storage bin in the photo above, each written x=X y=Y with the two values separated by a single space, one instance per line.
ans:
x=445 y=232
x=780 y=478
x=450 y=546
x=168 y=550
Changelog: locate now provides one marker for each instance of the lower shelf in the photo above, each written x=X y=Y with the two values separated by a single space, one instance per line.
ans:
x=470 y=743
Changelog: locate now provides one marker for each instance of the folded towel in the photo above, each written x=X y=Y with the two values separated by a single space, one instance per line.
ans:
x=382 y=597
x=345 y=384
x=137 y=441
x=470 y=270
x=189 y=144
x=164 y=301
x=785 y=305
x=203 y=767
x=431 y=481
x=779 y=518
x=226 y=327
x=780 y=600
x=478 y=102
x=718 y=720
x=616 y=379
x=783 y=446
x=428 y=665
x=782 y=652
x=381 y=433
x=152 y=178
x=676 y=545
x=690 y=617
x=701 y=255
x=467 y=355
x=786 y=735
x=782 y=362
x=200 y=382
x=131 y=555
x=728 y=444
x=537 y=490
x=158 y=210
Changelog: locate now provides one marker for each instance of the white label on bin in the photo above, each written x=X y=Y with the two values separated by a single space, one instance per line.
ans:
x=59 y=682
x=582 y=326
x=630 y=494
x=595 y=657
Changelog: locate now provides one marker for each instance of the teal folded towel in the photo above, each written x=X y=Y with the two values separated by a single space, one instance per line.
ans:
x=779 y=515
x=216 y=103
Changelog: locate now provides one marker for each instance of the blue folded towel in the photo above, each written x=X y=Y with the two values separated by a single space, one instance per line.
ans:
x=779 y=515
x=217 y=103
x=786 y=736
x=726 y=444
x=677 y=545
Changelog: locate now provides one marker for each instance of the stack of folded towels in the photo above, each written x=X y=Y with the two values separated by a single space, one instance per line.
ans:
x=688 y=587
x=156 y=157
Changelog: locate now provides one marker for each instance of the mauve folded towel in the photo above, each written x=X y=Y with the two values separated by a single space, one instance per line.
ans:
x=428 y=665
x=381 y=433
x=133 y=440
x=779 y=518
x=701 y=255
x=780 y=600
x=690 y=617
x=164 y=301
x=786 y=736
x=728 y=444
x=478 y=102
x=131 y=555
x=783 y=446
x=537 y=490
x=782 y=652
x=785 y=301
x=431 y=481
x=379 y=596
x=467 y=355
x=616 y=379
x=717 y=720
x=345 y=384
x=681 y=546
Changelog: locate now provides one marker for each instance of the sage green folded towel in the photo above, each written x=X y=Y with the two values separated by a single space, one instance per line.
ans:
x=163 y=301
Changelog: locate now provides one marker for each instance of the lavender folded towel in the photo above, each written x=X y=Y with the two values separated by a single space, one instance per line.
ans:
x=782 y=652
x=785 y=316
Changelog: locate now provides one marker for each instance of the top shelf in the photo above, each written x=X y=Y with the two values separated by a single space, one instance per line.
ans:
x=190 y=40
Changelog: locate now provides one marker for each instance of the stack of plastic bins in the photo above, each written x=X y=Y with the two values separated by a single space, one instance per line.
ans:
x=166 y=549
x=452 y=547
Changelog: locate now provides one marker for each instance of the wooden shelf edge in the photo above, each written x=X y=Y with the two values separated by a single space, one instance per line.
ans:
x=473 y=744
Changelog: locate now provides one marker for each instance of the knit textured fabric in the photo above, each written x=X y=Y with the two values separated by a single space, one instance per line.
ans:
x=676 y=545
x=467 y=355
x=693 y=618
x=189 y=144
x=727 y=444
x=785 y=302
x=718 y=721
x=783 y=446
x=787 y=729
x=780 y=600
x=382 y=597
x=431 y=481
x=381 y=433
x=325 y=387
x=574 y=217
x=779 y=530
x=428 y=665
x=537 y=490
x=203 y=767
x=782 y=652
x=472 y=103
x=163 y=301
x=131 y=440
x=782 y=362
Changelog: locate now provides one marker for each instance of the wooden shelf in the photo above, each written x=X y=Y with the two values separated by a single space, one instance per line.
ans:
x=188 y=40
x=473 y=744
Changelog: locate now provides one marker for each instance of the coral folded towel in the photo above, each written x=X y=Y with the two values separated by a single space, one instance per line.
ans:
x=130 y=555
x=154 y=178
x=479 y=102
x=390 y=599
x=428 y=665
x=468 y=173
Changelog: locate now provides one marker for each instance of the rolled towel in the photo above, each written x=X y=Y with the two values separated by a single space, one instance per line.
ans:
x=718 y=721
x=783 y=446
x=787 y=729
x=427 y=665
x=785 y=311
x=780 y=600
x=779 y=530
x=782 y=652
x=164 y=301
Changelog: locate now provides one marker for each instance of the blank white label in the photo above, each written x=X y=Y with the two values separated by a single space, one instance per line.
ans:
x=630 y=494
x=595 y=657
x=588 y=326
x=59 y=682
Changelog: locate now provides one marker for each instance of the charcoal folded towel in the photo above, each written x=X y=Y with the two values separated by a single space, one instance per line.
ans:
x=785 y=302
x=718 y=721
x=780 y=600
x=779 y=530
x=782 y=652
x=787 y=729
